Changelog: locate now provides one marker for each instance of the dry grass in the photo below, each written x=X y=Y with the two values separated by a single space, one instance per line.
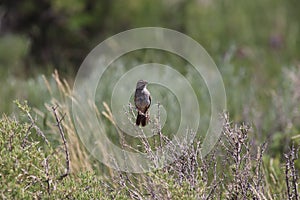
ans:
x=235 y=169
x=79 y=157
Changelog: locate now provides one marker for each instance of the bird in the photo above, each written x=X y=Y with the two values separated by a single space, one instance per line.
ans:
x=142 y=100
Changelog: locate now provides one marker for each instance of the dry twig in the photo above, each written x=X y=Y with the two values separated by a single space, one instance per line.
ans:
x=62 y=134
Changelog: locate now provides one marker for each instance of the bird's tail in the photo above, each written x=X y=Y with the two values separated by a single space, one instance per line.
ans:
x=142 y=119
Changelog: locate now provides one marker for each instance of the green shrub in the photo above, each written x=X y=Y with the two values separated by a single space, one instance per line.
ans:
x=33 y=170
x=22 y=171
x=236 y=169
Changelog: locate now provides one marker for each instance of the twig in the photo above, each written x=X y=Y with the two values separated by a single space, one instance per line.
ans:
x=26 y=135
x=38 y=130
x=290 y=173
x=46 y=165
x=294 y=153
x=258 y=171
x=159 y=125
x=61 y=131
x=287 y=169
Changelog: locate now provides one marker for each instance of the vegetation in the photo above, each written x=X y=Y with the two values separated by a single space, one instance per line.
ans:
x=236 y=169
x=255 y=45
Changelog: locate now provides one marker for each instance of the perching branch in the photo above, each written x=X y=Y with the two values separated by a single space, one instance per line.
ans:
x=62 y=134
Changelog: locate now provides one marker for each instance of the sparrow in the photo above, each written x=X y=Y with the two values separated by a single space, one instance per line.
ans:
x=142 y=100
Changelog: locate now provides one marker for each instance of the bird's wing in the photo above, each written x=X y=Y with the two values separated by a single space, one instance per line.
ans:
x=148 y=105
x=135 y=98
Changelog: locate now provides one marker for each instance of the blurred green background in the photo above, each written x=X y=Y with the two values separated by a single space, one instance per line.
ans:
x=255 y=44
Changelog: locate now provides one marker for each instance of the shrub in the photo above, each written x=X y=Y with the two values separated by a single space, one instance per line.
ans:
x=22 y=162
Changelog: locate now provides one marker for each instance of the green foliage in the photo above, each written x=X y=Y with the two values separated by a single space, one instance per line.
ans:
x=13 y=48
x=33 y=90
x=30 y=169
x=255 y=45
x=269 y=28
x=22 y=172
x=166 y=186
x=85 y=185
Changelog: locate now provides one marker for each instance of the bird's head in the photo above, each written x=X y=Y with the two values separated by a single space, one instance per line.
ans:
x=141 y=84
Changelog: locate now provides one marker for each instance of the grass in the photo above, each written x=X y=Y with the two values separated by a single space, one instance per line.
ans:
x=235 y=169
x=255 y=45
x=250 y=161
